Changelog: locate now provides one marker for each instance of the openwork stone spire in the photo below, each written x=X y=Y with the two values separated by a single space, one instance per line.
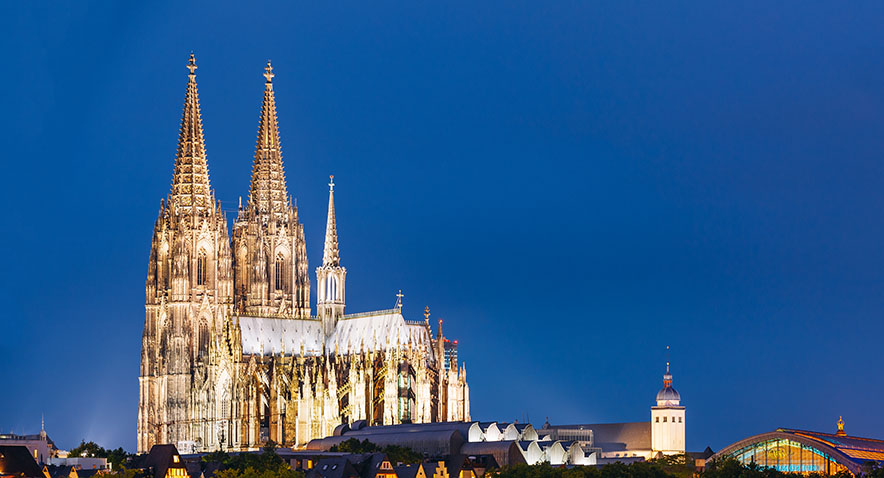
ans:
x=331 y=256
x=267 y=194
x=191 y=191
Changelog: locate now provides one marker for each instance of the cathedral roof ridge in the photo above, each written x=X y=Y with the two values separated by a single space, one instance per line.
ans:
x=372 y=313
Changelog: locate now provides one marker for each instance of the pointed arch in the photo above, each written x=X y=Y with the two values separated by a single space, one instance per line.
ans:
x=203 y=351
x=281 y=272
x=201 y=267
x=242 y=269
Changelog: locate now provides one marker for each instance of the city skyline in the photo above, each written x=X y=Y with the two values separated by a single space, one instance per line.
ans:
x=568 y=207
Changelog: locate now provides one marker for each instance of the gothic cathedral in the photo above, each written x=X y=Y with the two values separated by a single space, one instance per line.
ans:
x=231 y=355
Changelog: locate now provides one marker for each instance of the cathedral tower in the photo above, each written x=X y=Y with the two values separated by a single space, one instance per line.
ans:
x=330 y=276
x=270 y=274
x=668 y=420
x=188 y=290
x=231 y=357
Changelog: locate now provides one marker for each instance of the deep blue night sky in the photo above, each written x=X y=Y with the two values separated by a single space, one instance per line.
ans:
x=571 y=185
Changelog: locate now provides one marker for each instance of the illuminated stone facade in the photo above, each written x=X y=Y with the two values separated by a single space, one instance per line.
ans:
x=231 y=356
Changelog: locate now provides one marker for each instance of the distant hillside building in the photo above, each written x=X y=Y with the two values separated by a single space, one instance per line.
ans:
x=40 y=446
x=231 y=355
x=16 y=461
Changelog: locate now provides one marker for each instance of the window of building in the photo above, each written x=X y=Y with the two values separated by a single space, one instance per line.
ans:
x=679 y=419
x=658 y=419
x=281 y=276
x=201 y=268
x=664 y=419
x=788 y=456
x=673 y=419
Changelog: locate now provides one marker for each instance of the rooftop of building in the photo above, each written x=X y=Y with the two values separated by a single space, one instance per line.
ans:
x=852 y=451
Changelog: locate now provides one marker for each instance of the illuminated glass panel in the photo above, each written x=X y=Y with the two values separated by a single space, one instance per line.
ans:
x=788 y=456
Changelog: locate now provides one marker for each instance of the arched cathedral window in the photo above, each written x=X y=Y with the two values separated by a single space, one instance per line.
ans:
x=281 y=276
x=331 y=288
x=201 y=268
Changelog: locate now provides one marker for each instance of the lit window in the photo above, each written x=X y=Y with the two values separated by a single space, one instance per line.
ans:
x=176 y=459
x=201 y=268
x=281 y=282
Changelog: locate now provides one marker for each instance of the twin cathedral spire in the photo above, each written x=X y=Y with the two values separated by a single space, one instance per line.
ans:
x=267 y=252
x=231 y=355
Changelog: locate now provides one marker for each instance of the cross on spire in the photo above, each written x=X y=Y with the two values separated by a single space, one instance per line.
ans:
x=191 y=65
x=331 y=183
x=268 y=72
x=399 y=297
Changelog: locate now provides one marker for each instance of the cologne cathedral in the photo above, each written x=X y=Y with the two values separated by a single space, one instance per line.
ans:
x=232 y=356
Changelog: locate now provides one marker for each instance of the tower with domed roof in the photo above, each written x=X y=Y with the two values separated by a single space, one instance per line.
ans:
x=668 y=419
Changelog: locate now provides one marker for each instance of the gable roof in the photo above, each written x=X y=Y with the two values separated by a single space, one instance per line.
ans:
x=409 y=471
x=336 y=467
x=16 y=459
x=161 y=458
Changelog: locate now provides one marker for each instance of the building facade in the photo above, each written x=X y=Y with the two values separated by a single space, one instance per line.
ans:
x=232 y=356
x=808 y=452
x=663 y=434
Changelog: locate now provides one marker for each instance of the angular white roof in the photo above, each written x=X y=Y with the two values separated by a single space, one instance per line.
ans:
x=380 y=330
x=273 y=333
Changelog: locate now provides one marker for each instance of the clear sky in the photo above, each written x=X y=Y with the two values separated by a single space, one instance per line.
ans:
x=571 y=185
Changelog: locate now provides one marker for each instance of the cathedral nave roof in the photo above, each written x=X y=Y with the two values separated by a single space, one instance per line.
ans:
x=381 y=330
x=266 y=335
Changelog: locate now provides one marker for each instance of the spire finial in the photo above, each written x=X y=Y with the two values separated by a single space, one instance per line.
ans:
x=399 y=297
x=841 y=431
x=427 y=315
x=331 y=255
x=667 y=359
x=191 y=65
x=268 y=72
x=268 y=196
x=191 y=189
